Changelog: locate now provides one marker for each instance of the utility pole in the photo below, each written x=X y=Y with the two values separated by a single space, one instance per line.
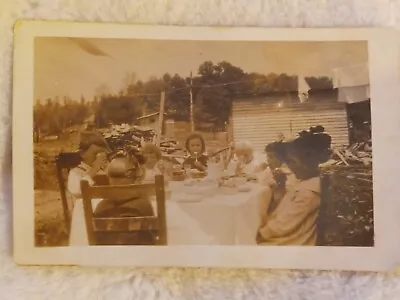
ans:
x=160 y=119
x=191 y=104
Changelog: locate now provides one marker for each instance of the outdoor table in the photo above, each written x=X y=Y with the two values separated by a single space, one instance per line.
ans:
x=205 y=215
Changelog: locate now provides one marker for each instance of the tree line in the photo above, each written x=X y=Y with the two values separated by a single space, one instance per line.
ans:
x=213 y=87
x=54 y=115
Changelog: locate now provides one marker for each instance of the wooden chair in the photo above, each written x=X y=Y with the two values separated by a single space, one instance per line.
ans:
x=65 y=161
x=96 y=226
x=321 y=220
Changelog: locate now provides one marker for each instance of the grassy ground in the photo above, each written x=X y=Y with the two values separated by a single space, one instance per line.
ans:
x=50 y=229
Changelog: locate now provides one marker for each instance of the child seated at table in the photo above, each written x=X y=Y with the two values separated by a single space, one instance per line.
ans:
x=124 y=170
x=275 y=179
x=93 y=151
x=294 y=220
x=153 y=164
x=244 y=163
x=196 y=146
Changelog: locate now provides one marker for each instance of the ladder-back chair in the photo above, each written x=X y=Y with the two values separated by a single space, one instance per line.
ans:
x=65 y=161
x=134 y=225
x=322 y=218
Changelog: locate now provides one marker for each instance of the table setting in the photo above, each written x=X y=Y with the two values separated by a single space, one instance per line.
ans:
x=216 y=207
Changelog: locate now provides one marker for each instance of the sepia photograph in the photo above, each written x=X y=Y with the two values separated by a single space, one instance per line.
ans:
x=176 y=146
x=253 y=143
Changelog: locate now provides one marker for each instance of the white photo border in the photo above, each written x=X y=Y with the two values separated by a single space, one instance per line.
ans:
x=384 y=68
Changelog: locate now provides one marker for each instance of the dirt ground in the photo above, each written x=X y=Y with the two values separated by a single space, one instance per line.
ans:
x=50 y=229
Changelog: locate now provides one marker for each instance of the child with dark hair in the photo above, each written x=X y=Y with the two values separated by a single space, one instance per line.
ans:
x=93 y=150
x=274 y=178
x=294 y=220
x=196 y=147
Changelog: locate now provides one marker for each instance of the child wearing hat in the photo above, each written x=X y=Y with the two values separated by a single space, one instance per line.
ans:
x=294 y=220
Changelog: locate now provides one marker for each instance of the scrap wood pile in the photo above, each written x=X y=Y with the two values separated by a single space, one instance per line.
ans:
x=356 y=154
x=119 y=137
x=347 y=207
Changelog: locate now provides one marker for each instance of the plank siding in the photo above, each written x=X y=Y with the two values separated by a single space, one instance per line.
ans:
x=259 y=121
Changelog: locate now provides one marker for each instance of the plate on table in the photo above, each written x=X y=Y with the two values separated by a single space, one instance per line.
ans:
x=228 y=190
x=244 y=188
x=190 y=182
x=189 y=198
x=208 y=191
x=199 y=182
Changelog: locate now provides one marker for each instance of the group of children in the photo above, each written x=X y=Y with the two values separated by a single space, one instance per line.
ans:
x=289 y=206
x=288 y=209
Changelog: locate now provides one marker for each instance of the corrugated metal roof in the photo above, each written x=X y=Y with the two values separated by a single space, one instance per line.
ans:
x=260 y=122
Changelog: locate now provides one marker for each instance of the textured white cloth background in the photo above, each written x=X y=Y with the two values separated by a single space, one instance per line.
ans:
x=174 y=283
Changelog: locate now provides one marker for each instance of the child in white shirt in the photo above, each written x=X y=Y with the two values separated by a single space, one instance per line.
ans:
x=153 y=162
x=93 y=150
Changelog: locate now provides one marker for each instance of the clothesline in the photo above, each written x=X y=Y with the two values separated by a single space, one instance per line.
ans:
x=194 y=86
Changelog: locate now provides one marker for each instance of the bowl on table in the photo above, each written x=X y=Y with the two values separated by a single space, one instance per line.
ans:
x=197 y=174
x=178 y=175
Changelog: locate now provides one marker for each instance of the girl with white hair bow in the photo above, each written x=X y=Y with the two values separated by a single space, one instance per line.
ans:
x=244 y=162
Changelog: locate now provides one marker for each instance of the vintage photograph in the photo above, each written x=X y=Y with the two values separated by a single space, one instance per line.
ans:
x=201 y=142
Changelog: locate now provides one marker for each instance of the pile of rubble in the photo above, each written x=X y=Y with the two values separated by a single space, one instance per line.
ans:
x=356 y=154
x=121 y=136
x=118 y=136
x=348 y=209
x=348 y=206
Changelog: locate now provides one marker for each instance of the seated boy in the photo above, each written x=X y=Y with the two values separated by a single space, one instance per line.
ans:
x=124 y=171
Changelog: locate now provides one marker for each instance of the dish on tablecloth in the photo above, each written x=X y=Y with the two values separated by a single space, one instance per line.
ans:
x=197 y=174
x=244 y=188
x=228 y=190
x=199 y=182
x=189 y=198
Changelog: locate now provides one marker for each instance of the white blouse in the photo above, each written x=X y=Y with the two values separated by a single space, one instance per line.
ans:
x=150 y=174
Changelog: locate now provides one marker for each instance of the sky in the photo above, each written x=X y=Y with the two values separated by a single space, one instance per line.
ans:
x=66 y=67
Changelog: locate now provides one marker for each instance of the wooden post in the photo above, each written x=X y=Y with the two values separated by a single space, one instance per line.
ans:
x=67 y=217
x=160 y=119
x=191 y=105
x=161 y=211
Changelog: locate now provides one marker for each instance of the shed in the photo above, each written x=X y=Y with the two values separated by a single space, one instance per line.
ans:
x=261 y=120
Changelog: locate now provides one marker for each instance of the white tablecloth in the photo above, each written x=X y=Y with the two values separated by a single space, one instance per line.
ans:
x=216 y=218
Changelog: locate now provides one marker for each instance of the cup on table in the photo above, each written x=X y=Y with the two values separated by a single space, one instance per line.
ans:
x=187 y=168
x=215 y=170
x=240 y=181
